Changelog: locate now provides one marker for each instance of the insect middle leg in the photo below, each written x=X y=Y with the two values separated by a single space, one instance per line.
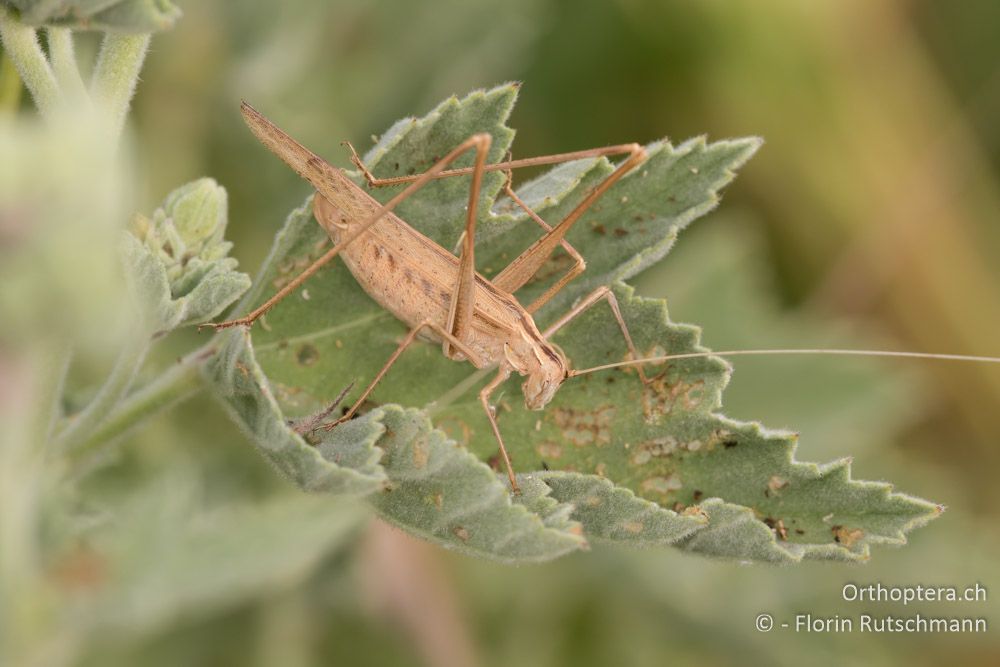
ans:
x=406 y=342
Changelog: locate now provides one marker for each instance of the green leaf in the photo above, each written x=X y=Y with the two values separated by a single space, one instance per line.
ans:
x=442 y=493
x=131 y=16
x=633 y=225
x=413 y=145
x=345 y=461
x=615 y=514
x=169 y=558
x=663 y=443
x=178 y=263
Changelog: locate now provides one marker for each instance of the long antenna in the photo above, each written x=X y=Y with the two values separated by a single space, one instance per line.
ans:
x=815 y=351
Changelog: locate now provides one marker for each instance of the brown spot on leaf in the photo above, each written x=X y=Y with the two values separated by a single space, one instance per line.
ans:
x=774 y=485
x=634 y=527
x=696 y=512
x=307 y=354
x=660 y=485
x=778 y=526
x=586 y=427
x=456 y=429
x=549 y=449
x=421 y=452
x=656 y=448
x=718 y=435
x=461 y=533
x=660 y=397
x=846 y=536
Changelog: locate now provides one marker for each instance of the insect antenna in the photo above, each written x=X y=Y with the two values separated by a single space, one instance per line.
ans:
x=810 y=351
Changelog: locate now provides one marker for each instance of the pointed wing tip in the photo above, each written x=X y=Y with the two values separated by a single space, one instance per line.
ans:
x=248 y=111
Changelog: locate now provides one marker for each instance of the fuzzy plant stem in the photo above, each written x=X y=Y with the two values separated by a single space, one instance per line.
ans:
x=64 y=65
x=180 y=382
x=10 y=85
x=82 y=425
x=20 y=42
x=116 y=75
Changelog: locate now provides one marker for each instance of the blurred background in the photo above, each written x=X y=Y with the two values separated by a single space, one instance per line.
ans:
x=868 y=219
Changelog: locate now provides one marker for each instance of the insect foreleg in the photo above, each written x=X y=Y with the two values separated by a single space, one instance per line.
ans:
x=484 y=399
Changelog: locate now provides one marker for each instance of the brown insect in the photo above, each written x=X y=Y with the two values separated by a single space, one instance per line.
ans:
x=433 y=291
x=436 y=293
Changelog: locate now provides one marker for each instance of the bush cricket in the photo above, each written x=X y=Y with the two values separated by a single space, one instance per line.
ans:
x=442 y=296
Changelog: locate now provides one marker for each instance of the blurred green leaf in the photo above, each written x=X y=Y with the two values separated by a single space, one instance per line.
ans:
x=133 y=16
x=170 y=558
x=178 y=262
x=61 y=201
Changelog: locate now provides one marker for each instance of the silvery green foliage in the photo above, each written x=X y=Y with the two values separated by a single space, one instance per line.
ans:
x=343 y=461
x=639 y=464
x=132 y=16
x=168 y=556
x=441 y=492
x=614 y=514
x=178 y=262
